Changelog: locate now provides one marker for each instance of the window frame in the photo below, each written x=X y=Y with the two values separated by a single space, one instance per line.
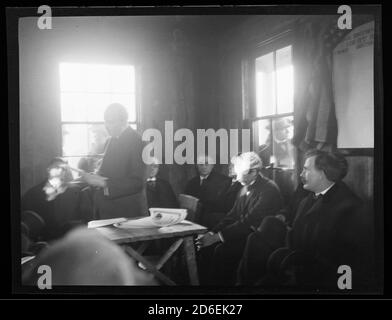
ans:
x=137 y=112
x=249 y=102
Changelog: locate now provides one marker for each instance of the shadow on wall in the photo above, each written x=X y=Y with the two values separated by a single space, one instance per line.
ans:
x=360 y=180
x=31 y=176
x=360 y=176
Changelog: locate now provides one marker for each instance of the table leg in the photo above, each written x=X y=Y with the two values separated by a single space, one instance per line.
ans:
x=190 y=256
x=149 y=266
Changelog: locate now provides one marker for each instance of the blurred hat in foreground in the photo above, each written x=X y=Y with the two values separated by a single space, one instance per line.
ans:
x=84 y=257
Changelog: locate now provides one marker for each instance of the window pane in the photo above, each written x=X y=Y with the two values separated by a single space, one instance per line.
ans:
x=72 y=77
x=97 y=77
x=75 y=139
x=262 y=139
x=282 y=147
x=73 y=107
x=96 y=105
x=87 y=89
x=265 y=85
x=122 y=79
x=284 y=80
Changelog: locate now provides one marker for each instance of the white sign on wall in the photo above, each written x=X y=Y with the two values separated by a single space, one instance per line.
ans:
x=353 y=88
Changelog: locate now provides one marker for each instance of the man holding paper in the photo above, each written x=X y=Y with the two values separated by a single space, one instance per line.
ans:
x=119 y=181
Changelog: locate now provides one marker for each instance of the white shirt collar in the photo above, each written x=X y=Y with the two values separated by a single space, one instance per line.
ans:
x=203 y=178
x=326 y=190
x=152 y=179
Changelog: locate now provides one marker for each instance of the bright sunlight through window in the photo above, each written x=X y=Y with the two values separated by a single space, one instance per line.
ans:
x=85 y=92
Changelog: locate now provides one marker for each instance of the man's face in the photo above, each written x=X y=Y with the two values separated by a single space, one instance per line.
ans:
x=311 y=177
x=153 y=170
x=114 y=125
x=205 y=169
x=246 y=177
x=57 y=174
x=282 y=135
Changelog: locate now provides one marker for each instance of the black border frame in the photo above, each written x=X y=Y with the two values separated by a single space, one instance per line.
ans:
x=12 y=15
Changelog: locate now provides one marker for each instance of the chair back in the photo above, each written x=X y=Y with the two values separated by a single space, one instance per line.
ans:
x=33 y=223
x=190 y=203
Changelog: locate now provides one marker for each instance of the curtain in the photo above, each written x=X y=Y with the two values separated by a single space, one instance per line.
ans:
x=315 y=124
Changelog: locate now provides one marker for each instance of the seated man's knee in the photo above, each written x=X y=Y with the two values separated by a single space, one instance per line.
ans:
x=275 y=259
x=273 y=230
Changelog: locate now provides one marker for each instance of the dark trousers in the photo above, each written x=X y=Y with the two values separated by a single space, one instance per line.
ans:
x=259 y=246
x=219 y=263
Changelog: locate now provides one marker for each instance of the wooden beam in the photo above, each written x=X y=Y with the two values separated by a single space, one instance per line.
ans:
x=173 y=248
x=150 y=267
x=190 y=255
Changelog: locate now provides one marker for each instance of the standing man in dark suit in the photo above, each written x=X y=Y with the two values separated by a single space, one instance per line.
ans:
x=260 y=197
x=210 y=188
x=324 y=232
x=119 y=181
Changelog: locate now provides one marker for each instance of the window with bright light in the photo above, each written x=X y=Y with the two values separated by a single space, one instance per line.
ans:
x=273 y=116
x=85 y=92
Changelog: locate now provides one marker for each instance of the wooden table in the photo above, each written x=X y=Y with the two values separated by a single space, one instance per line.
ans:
x=183 y=233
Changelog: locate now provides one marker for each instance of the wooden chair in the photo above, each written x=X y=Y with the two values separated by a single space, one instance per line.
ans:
x=33 y=224
x=192 y=204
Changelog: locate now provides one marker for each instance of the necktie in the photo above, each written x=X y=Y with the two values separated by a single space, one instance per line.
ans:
x=313 y=200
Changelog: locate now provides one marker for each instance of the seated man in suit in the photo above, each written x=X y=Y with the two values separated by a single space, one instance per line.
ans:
x=119 y=182
x=269 y=236
x=61 y=205
x=159 y=192
x=323 y=233
x=209 y=187
x=224 y=244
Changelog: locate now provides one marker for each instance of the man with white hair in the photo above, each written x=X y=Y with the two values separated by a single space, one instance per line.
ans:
x=210 y=188
x=259 y=198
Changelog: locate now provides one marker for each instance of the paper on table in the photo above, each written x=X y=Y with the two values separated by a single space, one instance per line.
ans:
x=105 y=222
x=163 y=217
x=159 y=217
x=145 y=222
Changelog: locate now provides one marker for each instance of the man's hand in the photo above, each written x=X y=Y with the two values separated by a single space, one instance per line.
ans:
x=206 y=240
x=94 y=180
x=281 y=217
